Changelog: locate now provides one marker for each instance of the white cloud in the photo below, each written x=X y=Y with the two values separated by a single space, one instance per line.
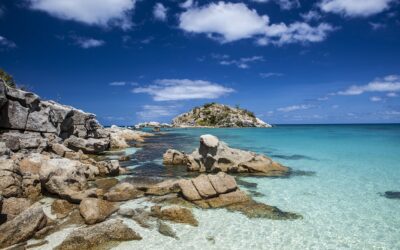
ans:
x=270 y=74
x=377 y=26
x=242 y=63
x=92 y=12
x=311 y=15
x=355 y=8
x=389 y=83
x=183 y=89
x=283 y=4
x=375 y=99
x=187 y=4
x=295 y=107
x=392 y=94
x=4 y=42
x=149 y=112
x=228 y=22
x=122 y=83
x=335 y=106
x=160 y=12
x=87 y=43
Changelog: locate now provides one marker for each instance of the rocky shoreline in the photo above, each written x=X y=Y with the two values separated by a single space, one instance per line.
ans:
x=54 y=176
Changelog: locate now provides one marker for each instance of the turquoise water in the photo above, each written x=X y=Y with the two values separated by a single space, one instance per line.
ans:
x=340 y=201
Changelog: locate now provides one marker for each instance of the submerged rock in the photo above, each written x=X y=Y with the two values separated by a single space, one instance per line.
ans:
x=215 y=156
x=96 y=210
x=174 y=214
x=392 y=194
x=22 y=227
x=100 y=236
x=166 y=230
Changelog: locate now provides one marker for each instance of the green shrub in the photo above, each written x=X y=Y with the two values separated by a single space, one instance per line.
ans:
x=7 y=78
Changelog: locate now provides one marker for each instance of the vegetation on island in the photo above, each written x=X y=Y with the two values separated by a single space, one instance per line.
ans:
x=7 y=79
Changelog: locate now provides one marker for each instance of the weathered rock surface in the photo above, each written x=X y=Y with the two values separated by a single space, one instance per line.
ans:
x=119 y=137
x=10 y=179
x=14 y=206
x=96 y=210
x=123 y=192
x=215 y=156
x=26 y=111
x=22 y=227
x=174 y=157
x=174 y=214
x=218 y=115
x=98 y=236
x=166 y=230
x=89 y=146
x=61 y=208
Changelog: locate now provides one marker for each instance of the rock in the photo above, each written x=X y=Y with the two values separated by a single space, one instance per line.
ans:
x=27 y=140
x=10 y=179
x=4 y=150
x=222 y=182
x=22 y=227
x=392 y=194
x=96 y=210
x=166 y=230
x=204 y=187
x=108 y=167
x=174 y=157
x=175 y=214
x=98 y=236
x=189 y=192
x=163 y=188
x=61 y=208
x=14 y=206
x=224 y=200
x=215 y=156
x=60 y=149
x=1 y=202
x=218 y=115
x=209 y=141
x=254 y=209
x=123 y=192
x=120 y=137
x=31 y=186
x=89 y=146
x=63 y=177
x=14 y=115
x=126 y=212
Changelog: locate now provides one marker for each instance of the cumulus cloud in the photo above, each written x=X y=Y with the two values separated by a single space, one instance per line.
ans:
x=242 y=63
x=295 y=107
x=355 y=8
x=4 y=42
x=390 y=83
x=311 y=16
x=183 y=89
x=186 y=4
x=160 y=12
x=103 y=13
x=87 y=43
x=228 y=22
x=149 y=112
x=392 y=94
x=283 y=4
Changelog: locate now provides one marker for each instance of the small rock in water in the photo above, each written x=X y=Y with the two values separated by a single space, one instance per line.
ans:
x=211 y=239
x=126 y=212
x=166 y=230
x=392 y=194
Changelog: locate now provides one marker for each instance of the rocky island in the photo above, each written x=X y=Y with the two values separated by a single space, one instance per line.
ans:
x=218 y=115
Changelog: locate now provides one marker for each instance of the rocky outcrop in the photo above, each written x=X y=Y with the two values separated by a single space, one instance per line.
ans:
x=216 y=156
x=96 y=210
x=120 y=137
x=61 y=208
x=89 y=146
x=98 y=236
x=12 y=207
x=21 y=110
x=218 y=115
x=22 y=227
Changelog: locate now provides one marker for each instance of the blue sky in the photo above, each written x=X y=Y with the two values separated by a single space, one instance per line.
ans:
x=290 y=61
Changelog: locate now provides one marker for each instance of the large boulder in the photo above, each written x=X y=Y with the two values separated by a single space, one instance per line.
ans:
x=28 y=140
x=96 y=210
x=22 y=227
x=100 y=236
x=120 y=137
x=14 y=206
x=10 y=179
x=216 y=156
x=90 y=146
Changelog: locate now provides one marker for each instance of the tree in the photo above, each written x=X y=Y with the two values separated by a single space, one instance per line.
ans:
x=7 y=79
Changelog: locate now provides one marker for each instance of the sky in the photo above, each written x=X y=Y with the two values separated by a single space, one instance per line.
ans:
x=130 y=61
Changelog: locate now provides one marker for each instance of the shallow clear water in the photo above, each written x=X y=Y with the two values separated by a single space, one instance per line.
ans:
x=347 y=169
x=340 y=203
